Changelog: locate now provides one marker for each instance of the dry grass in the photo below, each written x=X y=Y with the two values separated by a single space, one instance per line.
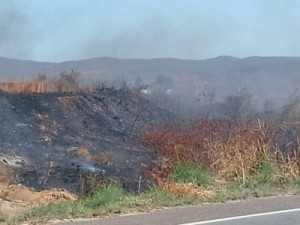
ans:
x=233 y=150
x=182 y=190
x=287 y=151
x=244 y=150
x=24 y=87
x=289 y=164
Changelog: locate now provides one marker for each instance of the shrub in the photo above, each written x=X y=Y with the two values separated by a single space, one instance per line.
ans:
x=231 y=149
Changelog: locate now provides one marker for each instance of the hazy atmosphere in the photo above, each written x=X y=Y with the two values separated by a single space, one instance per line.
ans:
x=114 y=107
x=55 y=30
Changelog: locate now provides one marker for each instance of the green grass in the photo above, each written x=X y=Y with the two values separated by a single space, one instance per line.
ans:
x=112 y=199
x=191 y=173
x=109 y=200
x=235 y=190
x=261 y=183
x=103 y=201
x=163 y=198
x=292 y=186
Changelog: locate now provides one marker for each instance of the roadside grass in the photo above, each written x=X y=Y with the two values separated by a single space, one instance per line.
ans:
x=261 y=183
x=113 y=200
x=106 y=200
x=110 y=200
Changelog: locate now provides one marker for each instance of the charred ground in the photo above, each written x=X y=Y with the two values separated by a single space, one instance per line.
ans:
x=53 y=140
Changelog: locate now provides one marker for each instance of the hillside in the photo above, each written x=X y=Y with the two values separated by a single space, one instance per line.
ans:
x=54 y=140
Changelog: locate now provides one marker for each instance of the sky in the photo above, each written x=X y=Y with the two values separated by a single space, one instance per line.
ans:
x=61 y=30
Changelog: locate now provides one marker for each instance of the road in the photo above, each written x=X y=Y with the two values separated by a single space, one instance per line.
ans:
x=266 y=211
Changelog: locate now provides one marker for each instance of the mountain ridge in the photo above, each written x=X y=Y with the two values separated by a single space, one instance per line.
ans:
x=270 y=76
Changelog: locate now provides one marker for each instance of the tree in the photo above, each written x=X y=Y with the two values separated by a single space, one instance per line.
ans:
x=239 y=107
x=41 y=77
x=68 y=81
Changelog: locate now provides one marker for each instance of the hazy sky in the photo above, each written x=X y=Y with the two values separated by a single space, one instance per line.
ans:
x=58 y=30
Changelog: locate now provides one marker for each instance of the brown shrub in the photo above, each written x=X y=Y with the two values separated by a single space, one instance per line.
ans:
x=231 y=149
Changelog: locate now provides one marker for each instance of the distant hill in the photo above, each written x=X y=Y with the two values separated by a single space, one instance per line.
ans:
x=271 y=77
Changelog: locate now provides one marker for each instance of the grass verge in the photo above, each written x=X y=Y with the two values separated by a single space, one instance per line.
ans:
x=108 y=201
x=112 y=200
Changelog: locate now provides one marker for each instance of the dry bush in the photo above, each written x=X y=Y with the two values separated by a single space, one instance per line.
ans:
x=68 y=81
x=242 y=153
x=187 y=143
x=231 y=149
x=289 y=164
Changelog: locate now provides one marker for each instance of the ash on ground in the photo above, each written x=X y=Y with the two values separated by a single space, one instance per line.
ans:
x=55 y=140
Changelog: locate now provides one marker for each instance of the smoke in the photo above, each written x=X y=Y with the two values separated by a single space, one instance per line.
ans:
x=55 y=30
x=16 y=37
x=157 y=36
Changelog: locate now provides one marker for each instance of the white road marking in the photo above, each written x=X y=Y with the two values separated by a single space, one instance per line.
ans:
x=242 y=217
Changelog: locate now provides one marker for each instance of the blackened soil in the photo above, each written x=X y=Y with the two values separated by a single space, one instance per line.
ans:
x=53 y=140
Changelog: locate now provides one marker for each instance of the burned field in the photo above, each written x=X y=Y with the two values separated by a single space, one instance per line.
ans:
x=69 y=151
x=57 y=140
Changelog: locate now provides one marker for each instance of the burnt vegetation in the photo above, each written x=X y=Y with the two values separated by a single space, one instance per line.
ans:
x=76 y=136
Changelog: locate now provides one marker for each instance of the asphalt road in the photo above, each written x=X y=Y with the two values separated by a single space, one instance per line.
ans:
x=266 y=211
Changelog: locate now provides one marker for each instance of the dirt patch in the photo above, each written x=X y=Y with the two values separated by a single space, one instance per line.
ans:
x=27 y=196
x=15 y=198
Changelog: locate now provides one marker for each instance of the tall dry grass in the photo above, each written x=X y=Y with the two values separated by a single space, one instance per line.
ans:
x=233 y=150
x=24 y=87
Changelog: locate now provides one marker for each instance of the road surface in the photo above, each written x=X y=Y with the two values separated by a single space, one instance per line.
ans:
x=266 y=211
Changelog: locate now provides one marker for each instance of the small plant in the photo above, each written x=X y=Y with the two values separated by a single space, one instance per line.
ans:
x=106 y=200
x=93 y=184
x=192 y=173
x=265 y=173
x=105 y=196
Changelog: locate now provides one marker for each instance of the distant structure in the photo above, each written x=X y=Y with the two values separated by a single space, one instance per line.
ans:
x=24 y=87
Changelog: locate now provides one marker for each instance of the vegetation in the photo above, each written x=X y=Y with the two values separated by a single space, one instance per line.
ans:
x=211 y=161
x=191 y=173
x=208 y=161
x=109 y=200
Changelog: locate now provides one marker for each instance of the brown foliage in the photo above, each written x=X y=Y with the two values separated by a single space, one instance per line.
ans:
x=181 y=189
x=231 y=149
x=24 y=87
x=289 y=164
